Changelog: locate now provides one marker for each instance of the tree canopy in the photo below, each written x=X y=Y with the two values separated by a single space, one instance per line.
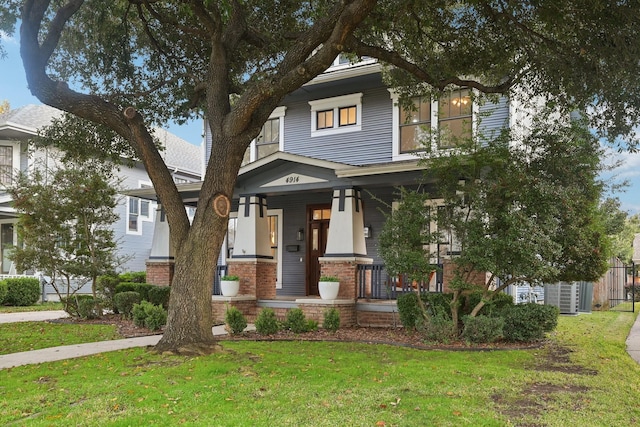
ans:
x=130 y=64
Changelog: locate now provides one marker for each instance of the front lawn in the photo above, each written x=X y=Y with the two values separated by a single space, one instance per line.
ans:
x=44 y=306
x=583 y=377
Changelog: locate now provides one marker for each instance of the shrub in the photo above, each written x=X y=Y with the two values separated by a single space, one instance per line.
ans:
x=437 y=328
x=159 y=295
x=482 y=329
x=312 y=325
x=3 y=291
x=133 y=276
x=331 y=320
x=126 y=287
x=125 y=301
x=143 y=290
x=235 y=320
x=22 y=291
x=72 y=305
x=437 y=303
x=90 y=308
x=409 y=310
x=230 y=278
x=529 y=322
x=149 y=315
x=266 y=322
x=106 y=288
x=494 y=307
x=296 y=321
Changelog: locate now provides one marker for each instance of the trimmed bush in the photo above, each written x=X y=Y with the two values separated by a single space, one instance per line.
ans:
x=106 y=288
x=482 y=329
x=312 y=325
x=529 y=322
x=143 y=290
x=331 y=320
x=409 y=310
x=437 y=303
x=126 y=287
x=235 y=320
x=75 y=303
x=494 y=307
x=133 y=276
x=90 y=308
x=159 y=295
x=125 y=301
x=267 y=323
x=22 y=291
x=296 y=321
x=149 y=315
x=3 y=291
x=437 y=328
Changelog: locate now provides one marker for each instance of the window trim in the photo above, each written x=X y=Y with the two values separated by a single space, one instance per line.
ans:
x=335 y=104
x=137 y=232
x=395 y=130
x=278 y=113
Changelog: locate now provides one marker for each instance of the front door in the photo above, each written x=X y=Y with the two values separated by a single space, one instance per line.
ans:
x=318 y=228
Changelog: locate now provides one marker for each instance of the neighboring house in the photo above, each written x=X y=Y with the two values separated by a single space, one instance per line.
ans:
x=325 y=159
x=134 y=228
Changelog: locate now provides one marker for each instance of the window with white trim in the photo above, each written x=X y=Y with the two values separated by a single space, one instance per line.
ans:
x=133 y=216
x=336 y=115
x=415 y=126
x=270 y=139
x=6 y=164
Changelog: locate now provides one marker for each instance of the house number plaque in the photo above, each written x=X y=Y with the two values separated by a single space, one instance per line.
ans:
x=222 y=205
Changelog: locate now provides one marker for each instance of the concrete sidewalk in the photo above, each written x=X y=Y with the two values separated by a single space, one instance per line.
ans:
x=53 y=354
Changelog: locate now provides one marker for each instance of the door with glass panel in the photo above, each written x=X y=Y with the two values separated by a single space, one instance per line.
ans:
x=318 y=229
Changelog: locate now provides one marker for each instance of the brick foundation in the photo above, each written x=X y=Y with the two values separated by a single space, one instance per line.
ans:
x=160 y=272
x=246 y=306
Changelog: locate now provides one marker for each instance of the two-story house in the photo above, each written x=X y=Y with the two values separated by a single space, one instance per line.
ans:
x=134 y=228
x=309 y=195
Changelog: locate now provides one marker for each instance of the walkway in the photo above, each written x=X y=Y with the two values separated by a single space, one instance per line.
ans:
x=53 y=354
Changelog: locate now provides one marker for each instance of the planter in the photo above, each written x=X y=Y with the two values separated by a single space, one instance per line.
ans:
x=328 y=290
x=229 y=288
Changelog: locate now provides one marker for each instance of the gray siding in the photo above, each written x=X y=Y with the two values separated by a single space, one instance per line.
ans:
x=370 y=145
x=493 y=118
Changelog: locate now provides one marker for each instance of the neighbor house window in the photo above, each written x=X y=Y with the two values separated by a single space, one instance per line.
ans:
x=133 y=225
x=336 y=115
x=6 y=164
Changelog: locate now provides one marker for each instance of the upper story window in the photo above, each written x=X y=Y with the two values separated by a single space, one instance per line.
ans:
x=269 y=140
x=416 y=126
x=6 y=165
x=336 y=115
x=138 y=210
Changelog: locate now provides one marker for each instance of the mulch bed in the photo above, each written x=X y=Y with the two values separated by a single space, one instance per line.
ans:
x=391 y=336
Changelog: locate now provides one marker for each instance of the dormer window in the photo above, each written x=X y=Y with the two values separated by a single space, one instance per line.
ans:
x=336 y=115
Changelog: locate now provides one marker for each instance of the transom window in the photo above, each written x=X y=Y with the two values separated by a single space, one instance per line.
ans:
x=336 y=115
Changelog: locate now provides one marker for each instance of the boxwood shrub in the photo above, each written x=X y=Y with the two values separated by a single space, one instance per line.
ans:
x=159 y=295
x=22 y=291
x=267 y=323
x=133 y=277
x=126 y=287
x=235 y=320
x=529 y=322
x=3 y=291
x=482 y=329
x=125 y=301
x=149 y=315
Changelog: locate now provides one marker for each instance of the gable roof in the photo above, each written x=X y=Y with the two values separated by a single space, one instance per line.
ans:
x=26 y=121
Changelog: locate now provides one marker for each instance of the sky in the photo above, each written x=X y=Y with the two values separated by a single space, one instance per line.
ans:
x=13 y=87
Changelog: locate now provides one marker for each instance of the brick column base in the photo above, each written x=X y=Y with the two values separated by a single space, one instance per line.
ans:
x=257 y=276
x=160 y=272
x=345 y=269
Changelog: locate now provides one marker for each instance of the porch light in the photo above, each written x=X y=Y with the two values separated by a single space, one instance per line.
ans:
x=368 y=231
x=300 y=236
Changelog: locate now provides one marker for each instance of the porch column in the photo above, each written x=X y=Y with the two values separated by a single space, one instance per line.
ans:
x=251 y=260
x=160 y=264
x=346 y=248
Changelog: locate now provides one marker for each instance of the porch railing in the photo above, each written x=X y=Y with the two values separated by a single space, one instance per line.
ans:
x=221 y=270
x=375 y=283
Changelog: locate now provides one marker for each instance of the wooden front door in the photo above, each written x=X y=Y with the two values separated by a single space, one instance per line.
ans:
x=317 y=230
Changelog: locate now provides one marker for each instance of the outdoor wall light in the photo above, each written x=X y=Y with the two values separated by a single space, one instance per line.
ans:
x=368 y=231
x=300 y=236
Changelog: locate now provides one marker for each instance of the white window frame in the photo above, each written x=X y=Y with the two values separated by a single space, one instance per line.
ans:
x=149 y=217
x=335 y=104
x=278 y=113
x=395 y=130
x=137 y=232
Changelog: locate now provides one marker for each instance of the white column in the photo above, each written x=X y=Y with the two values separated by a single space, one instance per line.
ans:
x=636 y=248
x=346 y=227
x=161 y=244
x=252 y=233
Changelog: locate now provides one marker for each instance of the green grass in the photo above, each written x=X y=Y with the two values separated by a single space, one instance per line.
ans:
x=25 y=336
x=330 y=384
x=45 y=306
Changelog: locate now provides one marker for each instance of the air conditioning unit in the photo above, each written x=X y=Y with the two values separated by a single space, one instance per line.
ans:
x=563 y=295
